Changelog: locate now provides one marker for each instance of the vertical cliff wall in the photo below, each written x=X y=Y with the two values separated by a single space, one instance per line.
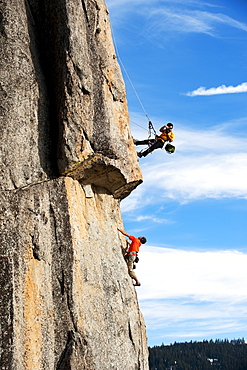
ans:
x=67 y=160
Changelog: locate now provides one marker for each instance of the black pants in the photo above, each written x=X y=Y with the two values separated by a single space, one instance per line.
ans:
x=155 y=144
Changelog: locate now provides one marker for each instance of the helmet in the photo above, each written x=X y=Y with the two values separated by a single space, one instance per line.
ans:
x=143 y=240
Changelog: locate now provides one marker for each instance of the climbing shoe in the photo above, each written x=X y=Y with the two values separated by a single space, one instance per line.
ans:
x=139 y=155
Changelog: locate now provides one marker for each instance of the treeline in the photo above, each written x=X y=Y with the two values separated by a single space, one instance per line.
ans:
x=218 y=354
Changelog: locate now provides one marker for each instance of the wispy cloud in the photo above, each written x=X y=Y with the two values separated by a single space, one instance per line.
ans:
x=186 y=21
x=202 y=91
x=153 y=219
x=207 y=289
x=207 y=276
x=211 y=165
x=176 y=16
x=194 y=178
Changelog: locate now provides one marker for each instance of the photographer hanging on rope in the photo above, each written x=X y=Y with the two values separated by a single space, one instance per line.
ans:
x=158 y=141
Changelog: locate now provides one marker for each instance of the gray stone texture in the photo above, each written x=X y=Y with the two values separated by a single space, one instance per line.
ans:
x=66 y=160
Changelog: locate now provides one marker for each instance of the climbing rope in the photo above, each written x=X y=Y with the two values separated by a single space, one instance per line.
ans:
x=151 y=128
x=133 y=87
x=150 y=125
x=137 y=124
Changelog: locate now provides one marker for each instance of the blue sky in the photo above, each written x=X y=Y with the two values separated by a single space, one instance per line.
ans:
x=187 y=62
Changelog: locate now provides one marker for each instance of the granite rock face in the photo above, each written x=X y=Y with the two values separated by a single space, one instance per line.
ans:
x=63 y=105
x=66 y=160
x=66 y=299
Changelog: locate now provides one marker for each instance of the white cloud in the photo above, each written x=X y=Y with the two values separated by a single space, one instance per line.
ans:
x=206 y=276
x=175 y=16
x=189 y=179
x=202 y=91
x=153 y=219
x=192 y=178
x=191 y=21
x=210 y=165
x=187 y=294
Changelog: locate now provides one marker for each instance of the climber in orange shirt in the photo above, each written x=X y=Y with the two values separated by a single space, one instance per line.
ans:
x=159 y=141
x=132 y=253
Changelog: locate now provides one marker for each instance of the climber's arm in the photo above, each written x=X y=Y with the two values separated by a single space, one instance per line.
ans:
x=124 y=233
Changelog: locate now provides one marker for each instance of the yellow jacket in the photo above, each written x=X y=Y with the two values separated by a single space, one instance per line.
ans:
x=167 y=136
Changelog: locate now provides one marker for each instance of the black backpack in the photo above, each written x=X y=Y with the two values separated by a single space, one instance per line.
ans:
x=169 y=148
